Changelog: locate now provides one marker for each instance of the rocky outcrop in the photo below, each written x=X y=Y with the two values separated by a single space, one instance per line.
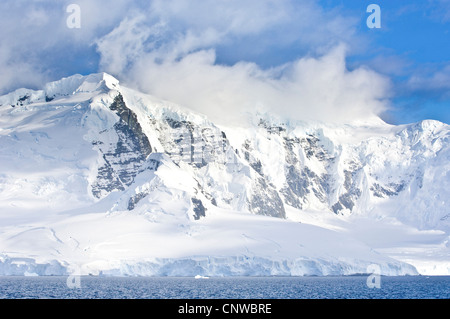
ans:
x=124 y=159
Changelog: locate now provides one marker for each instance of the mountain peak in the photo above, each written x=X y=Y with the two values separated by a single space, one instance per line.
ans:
x=81 y=84
x=75 y=84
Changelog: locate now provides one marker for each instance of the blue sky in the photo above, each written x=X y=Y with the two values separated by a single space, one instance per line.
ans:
x=415 y=38
x=194 y=53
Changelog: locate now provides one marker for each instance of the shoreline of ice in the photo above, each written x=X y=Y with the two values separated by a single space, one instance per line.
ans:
x=236 y=266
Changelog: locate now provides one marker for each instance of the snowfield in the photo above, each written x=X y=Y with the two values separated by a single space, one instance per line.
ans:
x=98 y=179
x=225 y=244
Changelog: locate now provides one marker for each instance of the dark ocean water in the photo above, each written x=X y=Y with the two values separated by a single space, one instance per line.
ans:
x=420 y=287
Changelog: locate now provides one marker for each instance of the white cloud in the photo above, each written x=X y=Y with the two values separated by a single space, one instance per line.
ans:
x=435 y=82
x=35 y=41
x=17 y=72
x=265 y=24
x=125 y=44
x=171 y=53
x=171 y=49
x=307 y=89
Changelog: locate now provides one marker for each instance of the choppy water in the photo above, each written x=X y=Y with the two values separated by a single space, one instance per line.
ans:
x=225 y=288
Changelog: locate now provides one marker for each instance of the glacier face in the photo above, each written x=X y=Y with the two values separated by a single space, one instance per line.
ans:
x=120 y=182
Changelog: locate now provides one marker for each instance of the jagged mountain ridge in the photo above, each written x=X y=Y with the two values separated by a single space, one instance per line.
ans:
x=88 y=144
x=277 y=164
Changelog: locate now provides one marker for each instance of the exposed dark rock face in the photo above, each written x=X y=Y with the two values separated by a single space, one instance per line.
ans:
x=152 y=165
x=192 y=144
x=266 y=201
x=311 y=165
x=123 y=160
x=248 y=155
x=392 y=189
x=129 y=123
x=300 y=179
x=199 y=209
x=132 y=203
x=352 y=191
x=22 y=101
x=201 y=146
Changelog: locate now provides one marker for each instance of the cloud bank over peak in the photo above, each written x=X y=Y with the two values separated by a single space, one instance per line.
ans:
x=307 y=89
x=220 y=58
x=174 y=53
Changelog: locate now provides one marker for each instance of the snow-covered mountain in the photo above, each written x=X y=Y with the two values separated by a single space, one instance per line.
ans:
x=98 y=177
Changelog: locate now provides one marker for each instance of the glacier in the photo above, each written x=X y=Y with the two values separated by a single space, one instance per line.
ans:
x=101 y=179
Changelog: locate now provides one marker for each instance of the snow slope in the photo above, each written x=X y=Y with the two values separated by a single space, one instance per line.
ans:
x=97 y=178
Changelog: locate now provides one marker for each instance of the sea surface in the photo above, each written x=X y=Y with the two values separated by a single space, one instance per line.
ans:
x=355 y=287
